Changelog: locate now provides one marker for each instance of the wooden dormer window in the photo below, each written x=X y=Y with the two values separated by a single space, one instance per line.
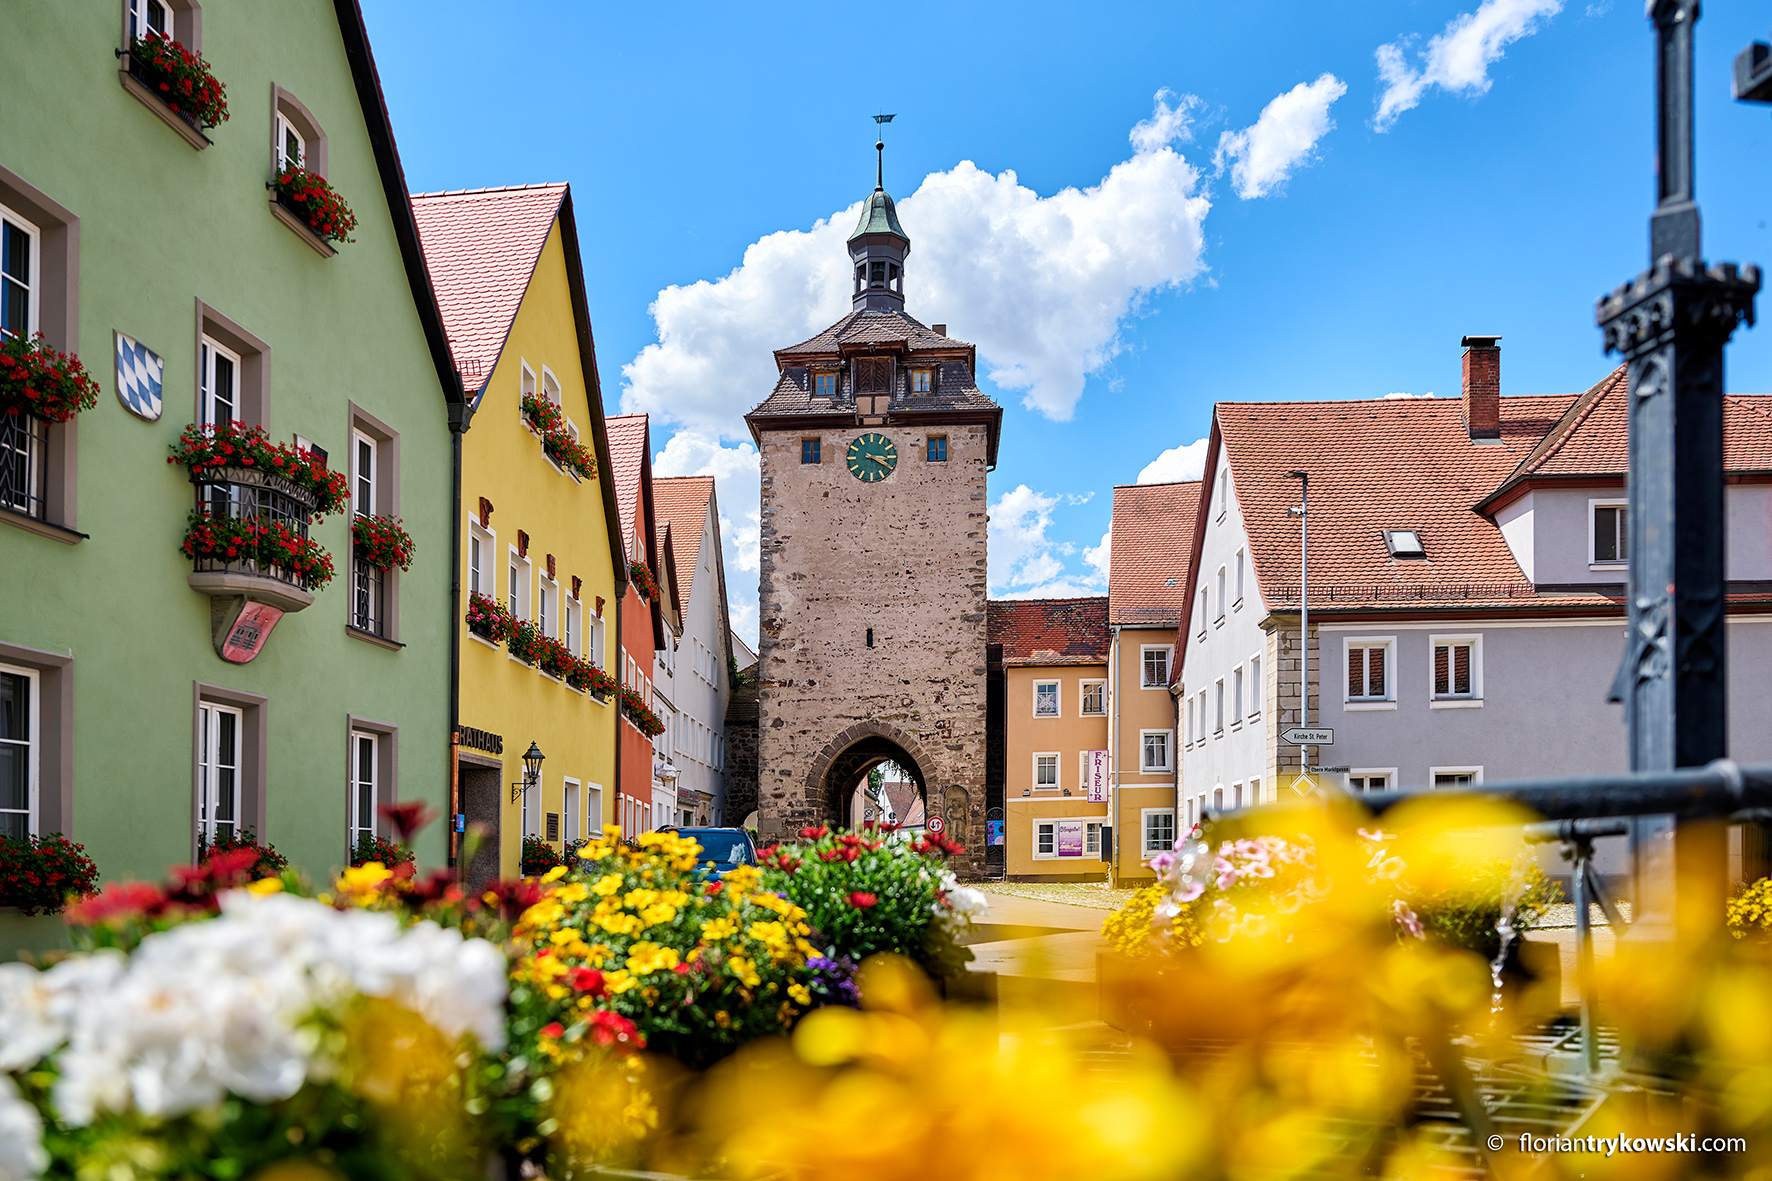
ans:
x=873 y=384
x=921 y=381
x=824 y=385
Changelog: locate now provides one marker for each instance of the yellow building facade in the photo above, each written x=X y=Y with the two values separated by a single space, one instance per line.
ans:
x=538 y=538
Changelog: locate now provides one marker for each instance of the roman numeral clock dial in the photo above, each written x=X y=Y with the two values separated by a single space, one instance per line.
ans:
x=872 y=457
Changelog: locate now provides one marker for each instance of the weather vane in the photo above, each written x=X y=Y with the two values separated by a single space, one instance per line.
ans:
x=880 y=147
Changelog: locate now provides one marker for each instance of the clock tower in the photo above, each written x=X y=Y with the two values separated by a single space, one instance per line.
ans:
x=874 y=446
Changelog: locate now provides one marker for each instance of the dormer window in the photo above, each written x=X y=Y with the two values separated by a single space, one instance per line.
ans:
x=824 y=385
x=1404 y=543
x=920 y=382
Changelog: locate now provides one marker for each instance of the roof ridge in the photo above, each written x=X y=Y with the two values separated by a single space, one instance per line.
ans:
x=1157 y=484
x=1563 y=429
x=490 y=189
x=1382 y=399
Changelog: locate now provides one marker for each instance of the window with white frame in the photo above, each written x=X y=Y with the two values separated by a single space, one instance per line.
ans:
x=148 y=18
x=519 y=585
x=482 y=545
x=531 y=818
x=1362 y=779
x=219 y=380
x=547 y=607
x=1190 y=728
x=1237 y=696
x=1093 y=699
x=20 y=744
x=1237 y=795
x=1158 y=825
x=1610 y=534
x=20 y=274
x=219 y=736
x=364 y=472
x=1257 y=688
x=292 y=145
x=1153 y=750
x=571 y=624
x=1200 y=734
x=525 y=389
x=594 y=650
x=1046 y=771
x=1457 y=672
x=1045 y=839
x=1238 y=563
x=1202 y=613
x=550 y=385
x=1368 y=670
x=1255 y=791
x=1218 y=706
x=1221 y=603
x=1092 y=838
x=571 y=820
x=364 y=786
x=1224 y=492
x=1449 y=777
x=1155 y=659
x=1046 y=699
x=1193 y=811
x=1218 y=799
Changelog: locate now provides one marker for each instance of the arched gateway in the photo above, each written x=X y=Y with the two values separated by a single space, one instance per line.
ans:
x=874 y=446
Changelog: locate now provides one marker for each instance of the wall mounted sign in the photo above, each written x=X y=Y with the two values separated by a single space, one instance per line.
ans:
x=993 y=832
x=247 y=634
x=1070 y=838
x=1095 y=776
x=936 y=824
x=486 y=740
x=139 y=374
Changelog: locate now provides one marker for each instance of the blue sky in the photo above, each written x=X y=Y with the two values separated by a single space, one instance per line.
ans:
x=1206 y=204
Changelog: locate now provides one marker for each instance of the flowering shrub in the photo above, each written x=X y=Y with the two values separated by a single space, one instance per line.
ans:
x=316 y=202
x=36 y=379
x=267 y=863
x=380 y=850
x=181 y=79
x=382 y=541
x=212 y=448
x=40 y=874
x=865 y=894
x=489 y=618
x=634 y=706
x=556 y=440
x=641 y=577
x=635 y=947
x=538 y=857
x=282 y=1029
x=268 y=543
x=1750 y=911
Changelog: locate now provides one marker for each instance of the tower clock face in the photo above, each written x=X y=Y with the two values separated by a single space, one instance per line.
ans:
x=872 y=457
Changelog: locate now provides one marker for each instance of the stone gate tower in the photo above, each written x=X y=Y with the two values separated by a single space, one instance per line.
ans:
x=875 y=443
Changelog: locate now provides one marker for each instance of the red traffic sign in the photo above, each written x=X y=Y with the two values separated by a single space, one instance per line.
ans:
x=936 y=824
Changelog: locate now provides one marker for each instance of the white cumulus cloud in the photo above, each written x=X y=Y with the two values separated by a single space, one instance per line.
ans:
x=1458 y=57
x=1185 y=462
x=737 y=485
x=1282 y=138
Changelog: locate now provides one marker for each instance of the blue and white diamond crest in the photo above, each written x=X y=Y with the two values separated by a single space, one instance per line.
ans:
x=139 y=370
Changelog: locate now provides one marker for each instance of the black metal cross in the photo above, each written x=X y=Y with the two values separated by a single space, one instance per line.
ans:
x=1670 y=324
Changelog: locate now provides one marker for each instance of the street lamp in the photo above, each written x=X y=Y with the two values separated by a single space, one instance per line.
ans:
x=1302 y=512
x=532 y=760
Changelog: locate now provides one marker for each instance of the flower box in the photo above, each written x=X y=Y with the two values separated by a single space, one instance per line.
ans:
x=641 y=578
x=490 y=619
x=557 y=442
x=234 y=453
x=644 y=720
x=315 y=204
x=36 y=379
x=256 y=546
x=525 y=642
x=38 y=875
x=179 y=79
x=382 y=542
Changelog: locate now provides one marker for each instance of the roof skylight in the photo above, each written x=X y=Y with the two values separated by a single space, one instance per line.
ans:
x=1404 y=543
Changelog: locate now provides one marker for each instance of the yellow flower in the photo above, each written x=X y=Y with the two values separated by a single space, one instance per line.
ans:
x=714 y=930
x=745 y=970
x=645 y=957
x=658 y=914
x=637 y=898
x=554 y=874
x=266 y=886
x=619 y=981
x=800 y=994
x=606 y=885
x=361 y=879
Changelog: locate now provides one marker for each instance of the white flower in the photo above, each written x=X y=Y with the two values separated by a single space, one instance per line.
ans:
x=22 y=1155
x=36 y=1008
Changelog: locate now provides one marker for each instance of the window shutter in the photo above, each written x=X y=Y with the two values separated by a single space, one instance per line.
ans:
x=1375 y=672
x=873 y=375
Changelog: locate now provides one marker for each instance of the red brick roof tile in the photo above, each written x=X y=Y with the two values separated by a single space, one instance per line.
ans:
x=481 y=246
x=1149 y=545
x=682 y=503
x=1049 y=631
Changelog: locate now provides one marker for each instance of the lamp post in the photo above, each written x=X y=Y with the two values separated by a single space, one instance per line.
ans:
x=532 y=760
x=1303 y=513
x=1670 y=324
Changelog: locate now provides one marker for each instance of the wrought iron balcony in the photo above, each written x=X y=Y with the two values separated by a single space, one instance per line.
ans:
x=231 y=495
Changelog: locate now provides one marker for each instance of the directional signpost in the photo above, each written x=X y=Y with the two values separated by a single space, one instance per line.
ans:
x=1312 y=736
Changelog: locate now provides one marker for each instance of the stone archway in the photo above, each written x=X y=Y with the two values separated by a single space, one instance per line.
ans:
x=847 y=758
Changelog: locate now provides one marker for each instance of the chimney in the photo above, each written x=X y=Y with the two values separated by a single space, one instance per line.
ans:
x=939 y=329
x=1482 y=386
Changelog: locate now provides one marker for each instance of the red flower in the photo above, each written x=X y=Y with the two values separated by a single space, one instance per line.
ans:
x=812 y=834
x=553 y=1029
x=609 y=1028
x=862 y=900
x=407 y=818
x=583 y=979
x=713 y=887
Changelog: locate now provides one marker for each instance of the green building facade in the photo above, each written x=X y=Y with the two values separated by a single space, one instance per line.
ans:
x=150 y=245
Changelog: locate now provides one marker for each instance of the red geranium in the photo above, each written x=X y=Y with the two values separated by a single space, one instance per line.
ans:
x=382 y=541
x=208 y=449
x=490 y=619
x=583 y=979
x=268 y=543
x=181 y=79
x=317 y=202
x=608 y=1029
x=557 y=441
x=862 y=900
x=641 y=576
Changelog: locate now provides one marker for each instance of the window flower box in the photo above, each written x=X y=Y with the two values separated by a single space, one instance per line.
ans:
x=39 y=875
x=490 y=619
x=525 y=642
x=36 y=379
x=644 y=720
x=314 y=204
x=208 y=451
x=586 y=677
x=641 y=577
x=557 y=442
x=176 y=85
x=256 y=547
x=382 y=542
